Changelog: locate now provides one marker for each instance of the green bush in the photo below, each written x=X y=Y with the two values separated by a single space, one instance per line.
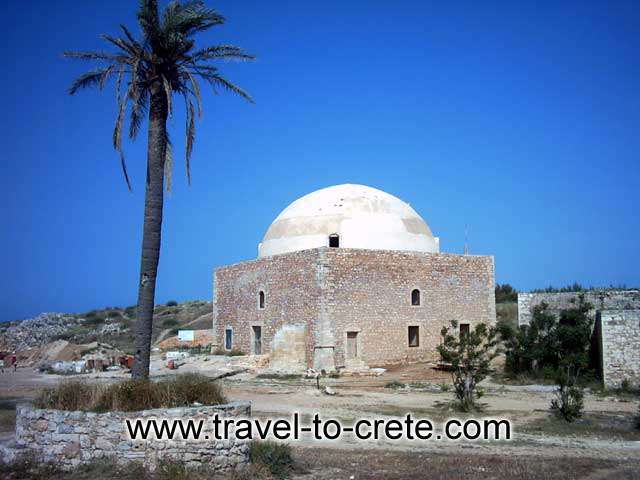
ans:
x=506 y=293
x=569 y=402
x=395 y=384
x=273 y=455
x=470 y=356
x=172 y=303
x=549 y=342
x=170 y=322
x=132 y=395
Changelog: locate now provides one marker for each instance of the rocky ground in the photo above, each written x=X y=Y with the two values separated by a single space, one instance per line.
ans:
x=110 y=325
x=603 y=444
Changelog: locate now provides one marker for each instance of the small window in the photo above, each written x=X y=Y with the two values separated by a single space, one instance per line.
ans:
x=228 y=339
x=261 y=299
x=334 y=240
x=464 y=329
x=414 y=336
x=415 y=297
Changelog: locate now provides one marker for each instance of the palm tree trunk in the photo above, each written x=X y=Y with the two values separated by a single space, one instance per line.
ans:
x=153 y=202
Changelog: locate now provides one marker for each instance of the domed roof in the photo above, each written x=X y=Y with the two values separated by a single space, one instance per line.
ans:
x=356 y=216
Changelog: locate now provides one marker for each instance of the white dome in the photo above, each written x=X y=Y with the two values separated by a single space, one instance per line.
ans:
x=362 y=217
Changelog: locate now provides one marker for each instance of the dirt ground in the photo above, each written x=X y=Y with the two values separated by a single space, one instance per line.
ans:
x=601 y=445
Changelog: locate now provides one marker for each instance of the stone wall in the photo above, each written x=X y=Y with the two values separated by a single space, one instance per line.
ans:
x=369 y=292
x=620 y=346
x=292 y=296
x=366 y=292
x=600 y=299
x=71 y=438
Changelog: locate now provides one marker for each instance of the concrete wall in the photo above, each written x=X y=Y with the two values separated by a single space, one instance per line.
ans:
x=601 y=300
x=335 y=291
x=71 y=438
x=620 y=347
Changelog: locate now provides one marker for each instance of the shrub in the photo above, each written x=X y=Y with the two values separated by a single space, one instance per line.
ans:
x=549 y=341
x=395 y=384
x=170 y=322
x=506 y=293
x=273 y=455
x=132 y=395
x=470 y=357
x=636 y=419
x=172 y=303
x=568 y=403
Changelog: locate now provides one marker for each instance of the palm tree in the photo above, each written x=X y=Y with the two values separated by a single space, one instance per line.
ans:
x=148 y=72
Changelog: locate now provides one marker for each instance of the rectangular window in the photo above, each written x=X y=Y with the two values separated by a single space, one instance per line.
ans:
x=228 y=339
x=414 y=336
x=464 y=329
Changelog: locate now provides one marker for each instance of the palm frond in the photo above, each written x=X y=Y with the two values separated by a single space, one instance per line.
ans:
x=190 y=136
x=92 y=56
x=167 y=91
x=189 y=17
x=218 y=80
x=168 y=162
x=196 y=92
x=121 y=44
x=138 y=111
x=221 y=52
x=131 y=39
x=149 y=21
x=105 y=76
x=123 y=166
x=89 y=79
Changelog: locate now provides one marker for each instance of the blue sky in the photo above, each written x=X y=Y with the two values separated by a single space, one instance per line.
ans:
x=519 y=119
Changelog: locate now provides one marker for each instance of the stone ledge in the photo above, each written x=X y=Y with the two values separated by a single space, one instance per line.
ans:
x=69 y=438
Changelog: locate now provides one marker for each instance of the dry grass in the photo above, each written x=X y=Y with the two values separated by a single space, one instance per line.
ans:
x=329 y=464
x=132 y=395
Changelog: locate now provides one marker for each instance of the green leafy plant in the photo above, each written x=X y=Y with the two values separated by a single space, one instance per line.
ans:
x=470 y=356
x=569 y=403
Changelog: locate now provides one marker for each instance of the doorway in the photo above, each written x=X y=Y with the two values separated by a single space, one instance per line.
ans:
x=257 y=340
x=352 y=344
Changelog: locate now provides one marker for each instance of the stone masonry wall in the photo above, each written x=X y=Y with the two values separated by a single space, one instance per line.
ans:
x=335 y=291
x=620 y=330
x=291 y=291
x=71 y=438
x=370 y=292
x=600 y=299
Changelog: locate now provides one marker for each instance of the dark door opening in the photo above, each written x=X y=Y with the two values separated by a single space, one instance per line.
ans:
x=352 y=344
x=257 y=340
x=334 y=240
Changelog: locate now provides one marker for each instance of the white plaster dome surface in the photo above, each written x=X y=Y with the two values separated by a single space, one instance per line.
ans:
x=361 y=216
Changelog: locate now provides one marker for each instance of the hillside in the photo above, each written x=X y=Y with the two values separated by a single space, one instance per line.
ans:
x=111 y=325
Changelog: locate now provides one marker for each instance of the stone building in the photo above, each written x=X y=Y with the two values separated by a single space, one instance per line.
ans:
x=349 y=276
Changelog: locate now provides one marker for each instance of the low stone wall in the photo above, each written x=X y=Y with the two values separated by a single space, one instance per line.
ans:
x=620 y=331
x=71 y=438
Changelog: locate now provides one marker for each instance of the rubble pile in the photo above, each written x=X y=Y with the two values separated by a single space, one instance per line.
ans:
x=34 y=332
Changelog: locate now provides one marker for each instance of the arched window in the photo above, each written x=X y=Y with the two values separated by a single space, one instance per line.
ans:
x=334 y=240
x=261 y=299
x=415 y=297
